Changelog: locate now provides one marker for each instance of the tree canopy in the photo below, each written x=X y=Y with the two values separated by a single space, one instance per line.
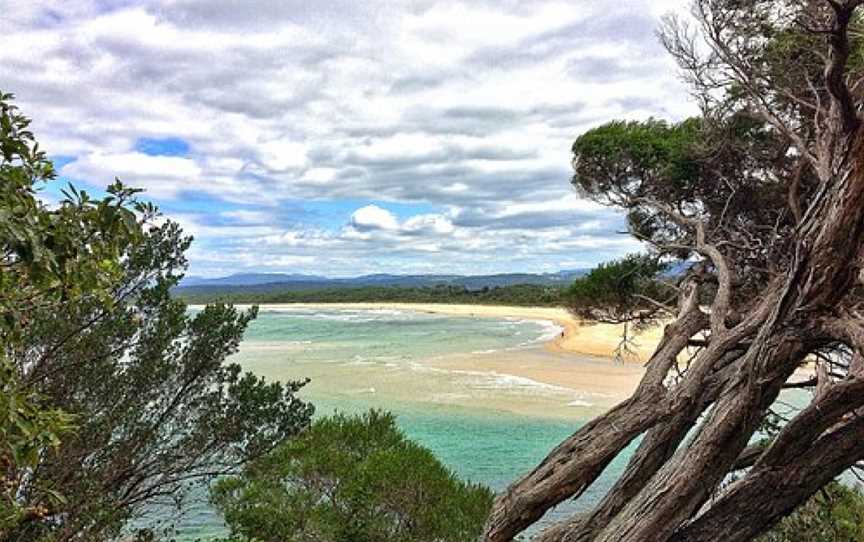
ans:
x=621 y=291
x=51 y=256
x=351 y=479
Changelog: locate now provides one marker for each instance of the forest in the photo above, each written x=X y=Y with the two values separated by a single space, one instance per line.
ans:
x=518 y=295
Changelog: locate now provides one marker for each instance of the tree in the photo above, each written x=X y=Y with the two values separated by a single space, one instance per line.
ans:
x=621 y=292
x=48 y=257
x=28 y=430
x=351 y=479
x=92 y=331
x=763 y=194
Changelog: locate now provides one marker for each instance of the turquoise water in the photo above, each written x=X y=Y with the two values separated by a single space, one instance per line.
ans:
x=387 y=335
x=359 y=359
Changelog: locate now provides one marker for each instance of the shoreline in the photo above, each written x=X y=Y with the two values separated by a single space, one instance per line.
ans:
x=570 y=374
x=598 y=340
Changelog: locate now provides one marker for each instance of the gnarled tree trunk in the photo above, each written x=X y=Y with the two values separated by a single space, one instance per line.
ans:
x=750 y=342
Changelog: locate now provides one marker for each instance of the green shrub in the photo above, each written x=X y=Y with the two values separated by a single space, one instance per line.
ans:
x=835 y=514
x=352 y=479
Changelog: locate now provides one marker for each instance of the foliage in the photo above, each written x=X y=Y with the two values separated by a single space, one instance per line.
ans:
x=28 y=429
x=621 y=291
x=63 y=253
x=49 y=257
x=834 y=514
x=351 y=479
x=89 y=330
x=633 y=151
x=158 y=407
x=714 y=169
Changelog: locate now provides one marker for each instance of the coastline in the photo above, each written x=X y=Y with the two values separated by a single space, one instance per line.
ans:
x=572 y=374
x=598 y=340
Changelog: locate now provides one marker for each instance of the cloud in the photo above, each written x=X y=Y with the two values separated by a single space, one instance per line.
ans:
x=162 y=176
x=240 y=116
x=373 y=217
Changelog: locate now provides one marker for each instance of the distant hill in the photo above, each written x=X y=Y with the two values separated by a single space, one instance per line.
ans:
x=247 y=279
x=259 y=283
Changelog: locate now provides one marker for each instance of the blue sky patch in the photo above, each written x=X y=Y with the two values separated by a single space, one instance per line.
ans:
x=61 y=160
x=168 y=146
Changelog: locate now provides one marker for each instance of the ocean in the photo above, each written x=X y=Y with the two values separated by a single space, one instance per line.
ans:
x=431 y=370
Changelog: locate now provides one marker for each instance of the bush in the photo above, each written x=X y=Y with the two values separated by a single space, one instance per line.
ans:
x=352 y=479
x=835 y=514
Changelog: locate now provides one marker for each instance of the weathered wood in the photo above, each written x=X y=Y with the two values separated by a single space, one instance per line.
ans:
x=748 y=346
x=575 y=463
x=769 y=492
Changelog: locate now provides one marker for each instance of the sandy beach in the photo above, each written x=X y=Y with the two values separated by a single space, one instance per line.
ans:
x=579 y=359
x=578 y=337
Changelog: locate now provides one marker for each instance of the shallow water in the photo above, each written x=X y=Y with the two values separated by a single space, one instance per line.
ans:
x=489 y=427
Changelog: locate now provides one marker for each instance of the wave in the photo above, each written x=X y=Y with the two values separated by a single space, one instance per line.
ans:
x=362 y=391
x=499 y=381
x=548 y=331
x=270 y=344
x=491 y=380
x=370 y=315
x=360 y=360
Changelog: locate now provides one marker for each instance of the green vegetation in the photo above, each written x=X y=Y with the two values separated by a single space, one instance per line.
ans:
x=624 y=290
x=28 y=429
x=51 y=257
x=835 y=514
x=652 y=148
x=91 y=337
x=517 y=295
x=351 y=479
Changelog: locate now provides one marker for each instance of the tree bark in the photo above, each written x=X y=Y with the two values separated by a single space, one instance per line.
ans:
x=769 y=492
x=749 y=350
x=575 y=463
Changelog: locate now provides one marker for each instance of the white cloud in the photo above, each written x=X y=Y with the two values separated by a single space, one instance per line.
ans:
x=283 y=155
x=465 y=109
x=433 y=223
x=161 y=176
x=373 y=217
x=569 y=202
x=245 y=216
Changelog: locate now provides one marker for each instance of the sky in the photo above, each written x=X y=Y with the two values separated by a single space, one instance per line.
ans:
x=345 y=137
